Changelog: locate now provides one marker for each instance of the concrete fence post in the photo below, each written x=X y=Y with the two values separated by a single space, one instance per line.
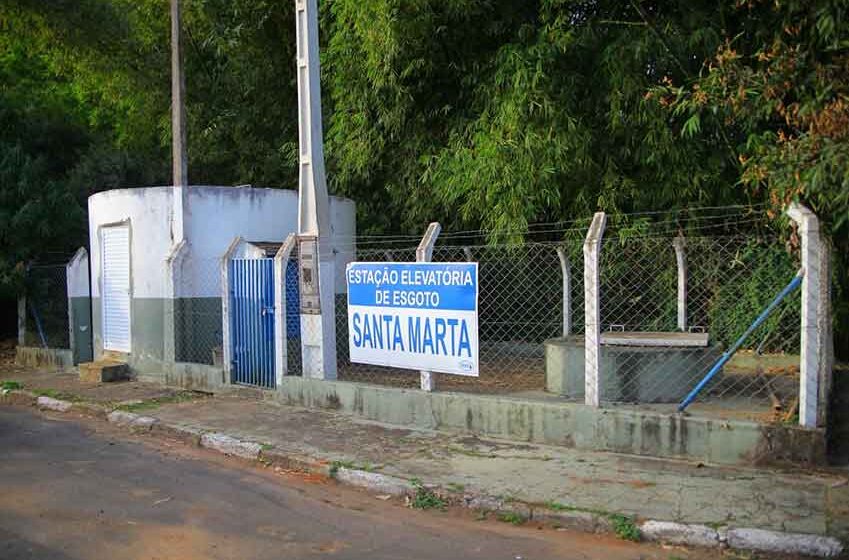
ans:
x=566 y=270
x=467 y=252
x=680 y=245
x=78 y=289
x=226 y=335
x=173 y=291
x=592 y=310
x=281 y=348
x=826 y=369
x=424 y=253
x=813 y=359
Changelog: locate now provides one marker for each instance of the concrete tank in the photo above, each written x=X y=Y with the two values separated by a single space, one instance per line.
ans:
x=634 y=367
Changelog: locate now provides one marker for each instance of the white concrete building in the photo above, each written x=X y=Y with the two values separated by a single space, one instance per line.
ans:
x=155 y=264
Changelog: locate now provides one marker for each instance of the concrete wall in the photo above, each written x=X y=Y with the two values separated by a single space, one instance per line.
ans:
x=568 y=424
x=216 y=215
x=44 y=358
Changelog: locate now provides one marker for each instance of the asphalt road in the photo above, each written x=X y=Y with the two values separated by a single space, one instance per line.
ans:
x=79 y=489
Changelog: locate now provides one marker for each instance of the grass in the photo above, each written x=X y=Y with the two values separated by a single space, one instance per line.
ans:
x=341 y=463
x=54 y=394
x=425 y=498
x=150 y=404
x=336 y=465
x=10 y=385
x=512 y=517
x=623 y=525
x=455 y=487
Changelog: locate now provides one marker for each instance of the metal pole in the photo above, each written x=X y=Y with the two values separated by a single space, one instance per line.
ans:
x=22 y=321
x=797 y=280
x=424 y=253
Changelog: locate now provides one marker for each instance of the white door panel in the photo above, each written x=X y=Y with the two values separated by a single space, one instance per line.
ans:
x=115 y=293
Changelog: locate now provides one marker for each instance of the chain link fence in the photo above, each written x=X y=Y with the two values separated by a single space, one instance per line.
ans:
x=531 y=337
x=47 y=306
x=197 y=312
x=659 y=336
x=652 y=353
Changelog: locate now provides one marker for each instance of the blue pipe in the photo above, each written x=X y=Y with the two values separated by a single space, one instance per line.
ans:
x=797 y=280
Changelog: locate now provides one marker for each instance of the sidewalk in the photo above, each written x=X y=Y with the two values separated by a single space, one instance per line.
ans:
x=583 y=490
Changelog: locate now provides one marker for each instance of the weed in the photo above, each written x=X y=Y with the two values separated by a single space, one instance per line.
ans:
x=455 y=487
x=266 y=446
x=425 y=498
x=512 y=517
x=557 y=506
x=624 y=527
x=11 y=385
x=54 y=394
x=338 y=464
x=149 y=404
x=482 y=515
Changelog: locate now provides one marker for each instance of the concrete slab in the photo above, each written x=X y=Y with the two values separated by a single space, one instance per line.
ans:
x=794 y=501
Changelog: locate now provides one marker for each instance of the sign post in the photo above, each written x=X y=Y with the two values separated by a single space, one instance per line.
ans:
x=419 y=316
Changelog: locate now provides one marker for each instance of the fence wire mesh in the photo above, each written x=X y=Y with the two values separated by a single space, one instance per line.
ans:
x=648 y=356
x=531 y=318
x=730 y=280
x=197 y=312
x=47 y=307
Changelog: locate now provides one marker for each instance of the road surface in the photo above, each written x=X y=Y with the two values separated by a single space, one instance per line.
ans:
x=73 y=488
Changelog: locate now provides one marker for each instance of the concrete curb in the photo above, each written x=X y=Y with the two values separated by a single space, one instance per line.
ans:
x=773 y=541
x=740 y=538
x=377 y=483
x=230 y=445
x=372 y=481
x=133 y=421
x=56 y=405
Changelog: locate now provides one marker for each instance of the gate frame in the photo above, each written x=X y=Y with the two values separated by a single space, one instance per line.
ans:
x=238 y=248
x=281 y=350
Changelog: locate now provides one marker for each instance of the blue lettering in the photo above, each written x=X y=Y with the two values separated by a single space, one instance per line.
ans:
x=464 y=340
x=414 y=333
x=397 y=341
x=387 y=321
x=428 y=338
x=453 y=324
x=358 y=336
x=440 y=336
x=367 y=333
x=377 y=333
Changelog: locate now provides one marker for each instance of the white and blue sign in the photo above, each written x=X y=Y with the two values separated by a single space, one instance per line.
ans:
x=421 y=316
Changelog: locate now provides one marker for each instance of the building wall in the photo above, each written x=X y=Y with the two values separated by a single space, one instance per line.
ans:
x=189 y=317
x=148 y=211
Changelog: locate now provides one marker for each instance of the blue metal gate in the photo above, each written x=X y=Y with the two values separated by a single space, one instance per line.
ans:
x=252 y=321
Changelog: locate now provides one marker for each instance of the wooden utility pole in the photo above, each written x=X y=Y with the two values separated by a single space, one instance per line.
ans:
x=178 y=109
